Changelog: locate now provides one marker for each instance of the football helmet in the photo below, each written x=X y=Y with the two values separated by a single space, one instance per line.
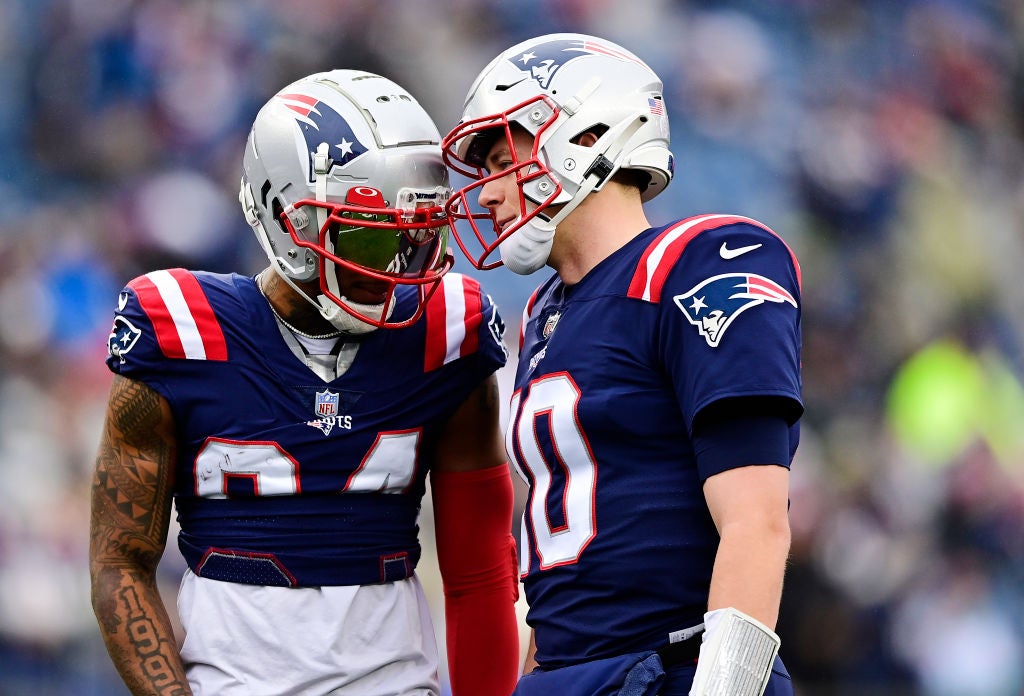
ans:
x=556 y=87
x=343 y=171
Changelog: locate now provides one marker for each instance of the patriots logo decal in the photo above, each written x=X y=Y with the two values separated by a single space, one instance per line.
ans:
x=715 y=303
x=496 y=327
x=320 y=123
x=123 y=337
x=543 y=60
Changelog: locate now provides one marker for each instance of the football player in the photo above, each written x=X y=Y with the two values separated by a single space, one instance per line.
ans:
x=658 y=392
x=293 y=417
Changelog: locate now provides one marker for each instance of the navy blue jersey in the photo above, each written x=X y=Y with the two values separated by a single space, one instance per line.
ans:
x=617 y=543
x=283 y=478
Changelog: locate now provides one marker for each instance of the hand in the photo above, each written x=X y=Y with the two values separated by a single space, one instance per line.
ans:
x=736 y=655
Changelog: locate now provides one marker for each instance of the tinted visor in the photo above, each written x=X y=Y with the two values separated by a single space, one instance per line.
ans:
x=407 y=248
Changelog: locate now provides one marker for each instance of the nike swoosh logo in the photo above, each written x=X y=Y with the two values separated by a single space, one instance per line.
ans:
x=504 y=88
x=728 y=253
x=122 y=301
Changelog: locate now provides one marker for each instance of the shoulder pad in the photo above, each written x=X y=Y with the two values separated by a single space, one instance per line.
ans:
x=453 y=317
x=664 y=251
x=183 y=319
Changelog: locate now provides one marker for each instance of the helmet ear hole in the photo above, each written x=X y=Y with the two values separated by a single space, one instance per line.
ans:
x=597 y=130
x=264 y=190
x=277 y=210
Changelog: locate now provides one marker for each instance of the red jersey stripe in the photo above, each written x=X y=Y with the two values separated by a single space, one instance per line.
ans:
x=661 y=255
x=436 y=314
x=472 y=317
x=215 y=346
x=188 y=330
x=159 y=315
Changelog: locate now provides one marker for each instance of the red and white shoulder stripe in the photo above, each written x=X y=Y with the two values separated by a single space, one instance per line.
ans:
x=184 y=322
x=662 y=254
x=453 y=317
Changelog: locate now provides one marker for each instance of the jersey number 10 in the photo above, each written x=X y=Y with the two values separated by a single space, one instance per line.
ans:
x=550 y=450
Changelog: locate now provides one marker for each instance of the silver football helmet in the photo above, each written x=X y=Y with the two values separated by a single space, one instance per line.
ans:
x=556 y=87
x=343 y=174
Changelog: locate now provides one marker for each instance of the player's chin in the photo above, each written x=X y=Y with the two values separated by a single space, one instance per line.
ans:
x=369 y=293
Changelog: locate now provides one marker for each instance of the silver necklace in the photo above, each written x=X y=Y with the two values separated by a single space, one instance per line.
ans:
x=297 y=332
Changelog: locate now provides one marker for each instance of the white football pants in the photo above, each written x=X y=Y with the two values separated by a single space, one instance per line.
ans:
x=249 y=640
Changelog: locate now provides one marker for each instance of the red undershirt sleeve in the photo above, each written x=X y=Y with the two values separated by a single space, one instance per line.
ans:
x=477 y=557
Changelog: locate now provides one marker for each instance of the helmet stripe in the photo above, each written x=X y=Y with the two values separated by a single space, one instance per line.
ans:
x=301 y=104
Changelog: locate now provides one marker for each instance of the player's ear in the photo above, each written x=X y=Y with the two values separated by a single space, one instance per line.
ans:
x=591 y=135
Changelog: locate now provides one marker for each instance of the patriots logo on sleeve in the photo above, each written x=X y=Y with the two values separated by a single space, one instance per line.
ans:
x=543 y=60
x=496 y=327
x=322 y=124
x=123 y=337
x=714 y=304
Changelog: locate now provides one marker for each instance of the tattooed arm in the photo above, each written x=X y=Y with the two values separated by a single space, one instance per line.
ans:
x=131 y=504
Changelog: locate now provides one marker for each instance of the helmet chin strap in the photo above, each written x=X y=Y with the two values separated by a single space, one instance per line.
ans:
x=338 y=317
x=341 y=319
x=329 y=310
x=345 y=322
x=528 y=248
x=321 y=166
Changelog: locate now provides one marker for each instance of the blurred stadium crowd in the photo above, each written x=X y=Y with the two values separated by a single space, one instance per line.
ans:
x=884 y=139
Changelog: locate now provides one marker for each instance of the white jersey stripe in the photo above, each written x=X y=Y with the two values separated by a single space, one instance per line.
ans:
x=455 y=316
x=177 y=307
x=656 y=254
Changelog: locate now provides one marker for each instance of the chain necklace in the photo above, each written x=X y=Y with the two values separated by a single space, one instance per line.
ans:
x=297 y=332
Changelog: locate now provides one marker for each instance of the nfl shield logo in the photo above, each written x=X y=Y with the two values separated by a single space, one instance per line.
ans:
x=551 y=323
x=326 y=403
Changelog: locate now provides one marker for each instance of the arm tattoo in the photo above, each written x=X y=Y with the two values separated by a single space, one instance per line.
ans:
x=135 y=464
x=131 y=501
x=150 y=650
